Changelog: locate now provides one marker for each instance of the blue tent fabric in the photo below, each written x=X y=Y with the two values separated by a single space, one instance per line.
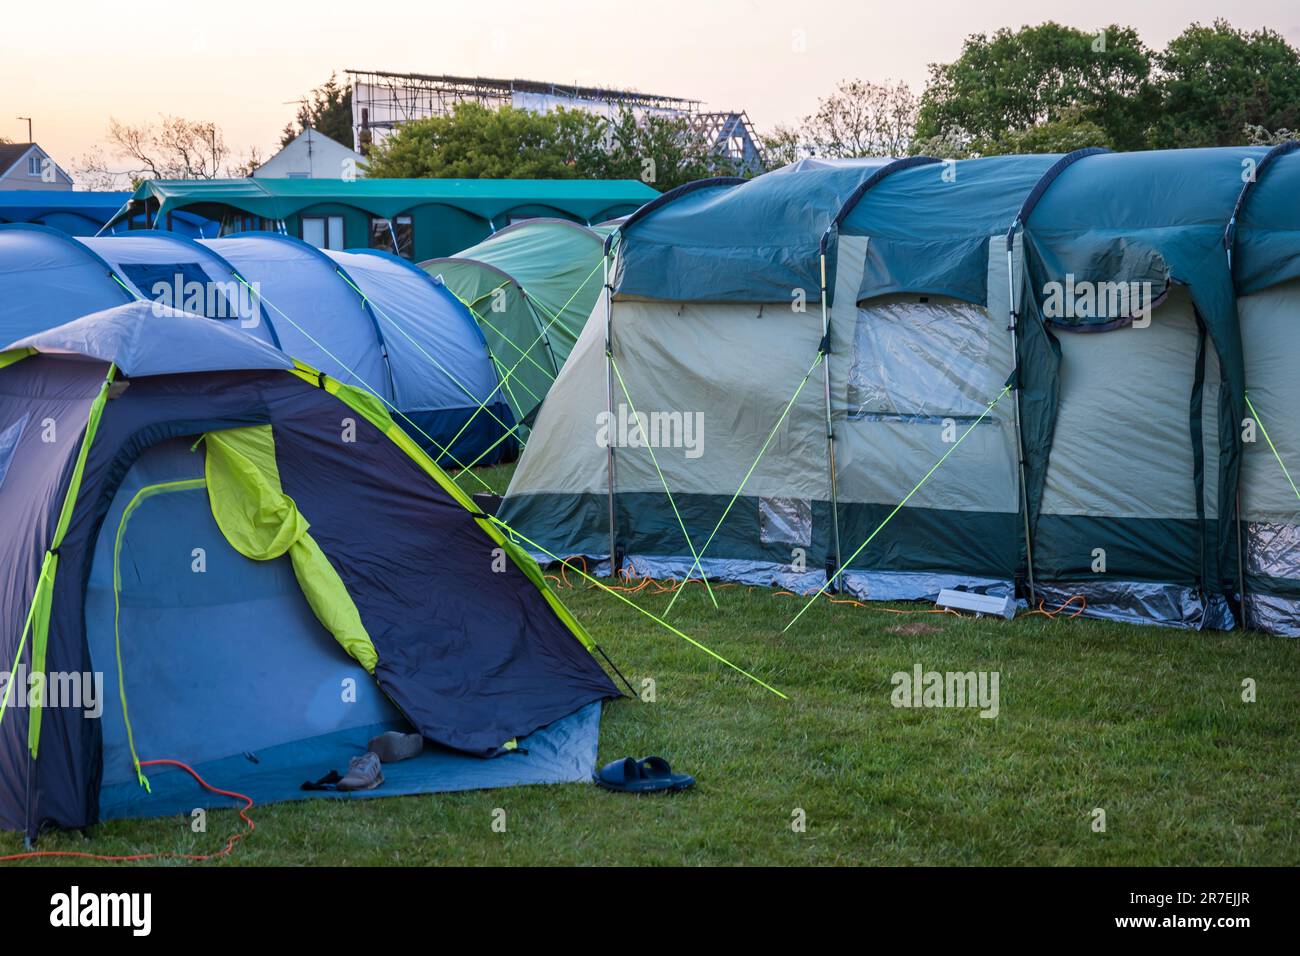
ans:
x=562 y=752
x=754 y=242
x=144 y=338
x=929 y=224
x=401 y=336
x=435 y=349
x=471 y=657
x=297 y=729
x=151 y=261
x=48 y=278
x=384 y=330
x=1265 y=238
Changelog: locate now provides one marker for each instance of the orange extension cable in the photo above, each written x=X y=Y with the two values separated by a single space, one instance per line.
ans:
x=650 y=585
x=137 y=857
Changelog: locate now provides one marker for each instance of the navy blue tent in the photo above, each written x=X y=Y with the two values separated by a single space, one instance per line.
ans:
x=163 y=476
x=366 y=319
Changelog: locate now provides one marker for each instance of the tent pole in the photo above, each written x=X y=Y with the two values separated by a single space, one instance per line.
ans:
x=830 y=429
x=1020 y=442
x=1241 y=559
x=609 y=410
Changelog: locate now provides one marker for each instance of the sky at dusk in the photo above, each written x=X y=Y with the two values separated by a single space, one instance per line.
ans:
x=74 y=64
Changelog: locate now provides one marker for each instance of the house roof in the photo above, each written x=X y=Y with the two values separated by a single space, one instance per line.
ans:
x=10 y=153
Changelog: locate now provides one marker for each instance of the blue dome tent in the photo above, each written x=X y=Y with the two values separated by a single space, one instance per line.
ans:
x=191 y=440
x=389 y=328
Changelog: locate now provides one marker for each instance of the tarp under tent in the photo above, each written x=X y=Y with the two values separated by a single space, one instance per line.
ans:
x=328 y=587
x=921 y=430
x=531 y=286
x=1265 y=241
x=368 y=319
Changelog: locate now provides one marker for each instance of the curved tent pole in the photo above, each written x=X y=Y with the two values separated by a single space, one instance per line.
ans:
x=347 y=280
x=186 y=241
x=1230 y=231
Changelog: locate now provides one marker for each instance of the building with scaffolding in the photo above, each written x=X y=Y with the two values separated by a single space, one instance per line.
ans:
x=381 y=101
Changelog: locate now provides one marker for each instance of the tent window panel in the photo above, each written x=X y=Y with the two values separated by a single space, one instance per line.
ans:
x=396 y=235
x=922 y=358
x=785 y=521
x=182 y=285
x=9 y=437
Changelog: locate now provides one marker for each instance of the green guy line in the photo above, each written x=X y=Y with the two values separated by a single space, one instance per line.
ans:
x=663 y=481
x=658 y=620
x=368 y=387
x=1272 y=447
x=897 y=508
x=744 y=481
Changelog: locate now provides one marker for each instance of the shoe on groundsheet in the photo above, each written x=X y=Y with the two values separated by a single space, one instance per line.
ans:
x=395 y=745
x=363 y=773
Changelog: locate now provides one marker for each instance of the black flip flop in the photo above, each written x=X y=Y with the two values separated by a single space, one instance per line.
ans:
x=627 y=776
x=656 y=768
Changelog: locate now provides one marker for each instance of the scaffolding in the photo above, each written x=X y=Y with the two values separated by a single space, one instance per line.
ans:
x=381 y=101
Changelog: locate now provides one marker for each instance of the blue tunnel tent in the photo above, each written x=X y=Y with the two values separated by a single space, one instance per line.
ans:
x=1091 y=453
x=48 y=278
x=386 y=328
x=1265 y=242
x=206 y=494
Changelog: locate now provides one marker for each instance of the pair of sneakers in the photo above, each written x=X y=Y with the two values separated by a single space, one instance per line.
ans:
x=366 y=772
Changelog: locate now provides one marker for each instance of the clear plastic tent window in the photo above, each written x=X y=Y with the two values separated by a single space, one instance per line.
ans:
x=924 y=358
x=9 y=443
x=785 y=521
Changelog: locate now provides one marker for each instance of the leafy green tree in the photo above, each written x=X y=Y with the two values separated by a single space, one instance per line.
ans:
x=662 y=151
x=327 y=109
x=476 y=142
x=1215 y=81
x=1006 y=84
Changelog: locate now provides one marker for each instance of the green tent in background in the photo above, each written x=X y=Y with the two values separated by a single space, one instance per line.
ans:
x=531 y=286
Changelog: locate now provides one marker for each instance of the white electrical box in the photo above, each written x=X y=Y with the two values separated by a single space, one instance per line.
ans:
x=978 y=604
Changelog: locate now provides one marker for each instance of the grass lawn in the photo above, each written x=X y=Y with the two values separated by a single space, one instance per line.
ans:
x=1144 y=722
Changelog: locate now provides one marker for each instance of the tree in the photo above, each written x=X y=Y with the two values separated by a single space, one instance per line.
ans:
x=1216 y=81
x=863 y=119
x=662 y=151
x=782 y=146
x=173 y=148
x=477 y=142
x=1012 y=81
x=327 y=109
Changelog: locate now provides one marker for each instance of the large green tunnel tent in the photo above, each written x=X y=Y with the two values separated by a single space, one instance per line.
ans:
x=1031 y=369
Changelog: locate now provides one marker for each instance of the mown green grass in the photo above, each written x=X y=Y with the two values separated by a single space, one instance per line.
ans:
x=1146 y=723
